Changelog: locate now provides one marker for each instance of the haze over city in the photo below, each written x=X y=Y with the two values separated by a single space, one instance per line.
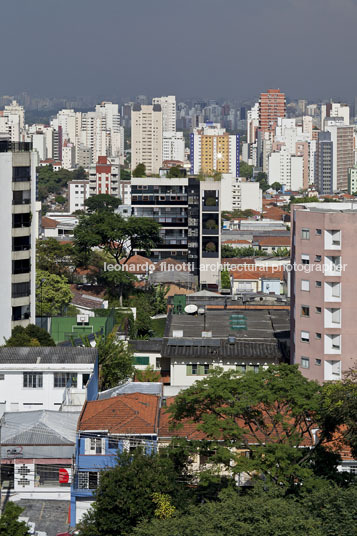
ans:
x=191 y=48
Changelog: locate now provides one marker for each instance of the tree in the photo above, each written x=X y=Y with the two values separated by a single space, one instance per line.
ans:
x=225 y=279
x=139 y=171
x=126 y=492
x=271 y=414
x=251 y=514
x=116 y=236
x=175 y=171
x=231 y=252
x=262 y=178
x=147 y=375
x=53 y=293
x=9 y=521
x=115 y=361
x=339 y=403
x=30 y=336
x=125 y=174
x=101 y=202
x=158 y=300
x=245 y=170
x=54 y=257
x=276 y=186
x=60 y=199
x=80 y=174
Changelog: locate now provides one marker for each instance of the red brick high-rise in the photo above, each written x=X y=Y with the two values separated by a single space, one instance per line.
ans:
x=271 y=106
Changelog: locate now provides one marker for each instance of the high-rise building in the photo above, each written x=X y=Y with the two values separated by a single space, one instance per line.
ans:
x=323 y=297
x=189 y=213
x=17 y=235
x=77 y=193
x=146 y=137
x=173 y=146
x=272 y=105
x=168 y=107
x=212 y=149
x=324 y=164
x=343 y=153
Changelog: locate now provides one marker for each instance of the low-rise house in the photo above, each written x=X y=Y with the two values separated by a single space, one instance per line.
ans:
x=105 y=426
x=271 y=244
x=38 y=378
x=253 y=278
x=36 y=454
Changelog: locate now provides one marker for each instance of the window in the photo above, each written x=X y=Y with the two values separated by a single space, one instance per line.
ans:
x=48 y=476
x=65 y=379
x=318 y=310
x=305 y=259
x=305 y=310
x=318 y=362
x=318 y=335
x=94 y=445
x=241 y=369
x=305 y=336
x=305 y=234
x=88 y=480
x=318 y=232
x=2 y=376
x=318 y=258
x=197 y=370
x=305 y=285
x=141 y=360
x=318 y=284
x=305 y=362
x=32 y=380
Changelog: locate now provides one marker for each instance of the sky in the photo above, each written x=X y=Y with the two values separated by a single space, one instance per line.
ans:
x=189 y=48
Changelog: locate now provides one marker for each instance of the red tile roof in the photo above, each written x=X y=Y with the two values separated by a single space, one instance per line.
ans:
x=137 y=264
x=133 y=413
x=49 y=223
x=258 y=272
x=283 y=241
x=188 y=429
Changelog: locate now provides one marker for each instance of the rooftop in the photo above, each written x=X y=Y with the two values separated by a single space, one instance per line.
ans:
x=47 y=355
x=262 y=324
x=42 y=427
x=134 y=413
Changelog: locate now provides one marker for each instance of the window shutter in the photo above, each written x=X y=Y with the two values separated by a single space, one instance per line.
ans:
x=188 y=370
x=103 y=446
x=87 y=449
x=201 y=370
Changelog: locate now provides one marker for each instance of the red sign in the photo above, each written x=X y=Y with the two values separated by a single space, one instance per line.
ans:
x=63 y=476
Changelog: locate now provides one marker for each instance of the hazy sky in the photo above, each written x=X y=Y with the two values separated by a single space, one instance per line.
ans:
x=210 y=48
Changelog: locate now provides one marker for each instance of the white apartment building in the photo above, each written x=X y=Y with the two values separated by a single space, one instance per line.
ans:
x=68 y=155
x=173 y=146
x=237 y=194
x=78 y=192
x=168 y=107
x=287 y=169
x=146 y=137
x=17 y=235
x=104 y=177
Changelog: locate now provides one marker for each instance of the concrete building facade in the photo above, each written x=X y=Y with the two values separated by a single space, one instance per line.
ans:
x=323 y=289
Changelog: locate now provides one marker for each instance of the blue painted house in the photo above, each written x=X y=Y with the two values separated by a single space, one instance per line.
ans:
x=105 y=426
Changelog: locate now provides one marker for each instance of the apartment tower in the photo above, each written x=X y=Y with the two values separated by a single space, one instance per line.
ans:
x=323 y=289
x=272 y=105
x=17 y=235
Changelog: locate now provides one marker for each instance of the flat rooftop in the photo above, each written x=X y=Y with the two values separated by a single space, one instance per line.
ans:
x=348 y=206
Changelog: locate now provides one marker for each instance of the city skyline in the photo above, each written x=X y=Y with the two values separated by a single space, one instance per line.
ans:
x=304 y=48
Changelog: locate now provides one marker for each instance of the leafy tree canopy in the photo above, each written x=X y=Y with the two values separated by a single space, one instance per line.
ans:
x=237 y=514
x=116 y=236
x=139 y=171
x=126 y=493
x=9 y=521
x=53 y=256
x=272 y=414
x=30 y=336
x=53 y=293
x=102 y=202
x=245 y=170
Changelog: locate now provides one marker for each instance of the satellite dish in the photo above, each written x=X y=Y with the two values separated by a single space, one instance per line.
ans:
x=191 y=309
